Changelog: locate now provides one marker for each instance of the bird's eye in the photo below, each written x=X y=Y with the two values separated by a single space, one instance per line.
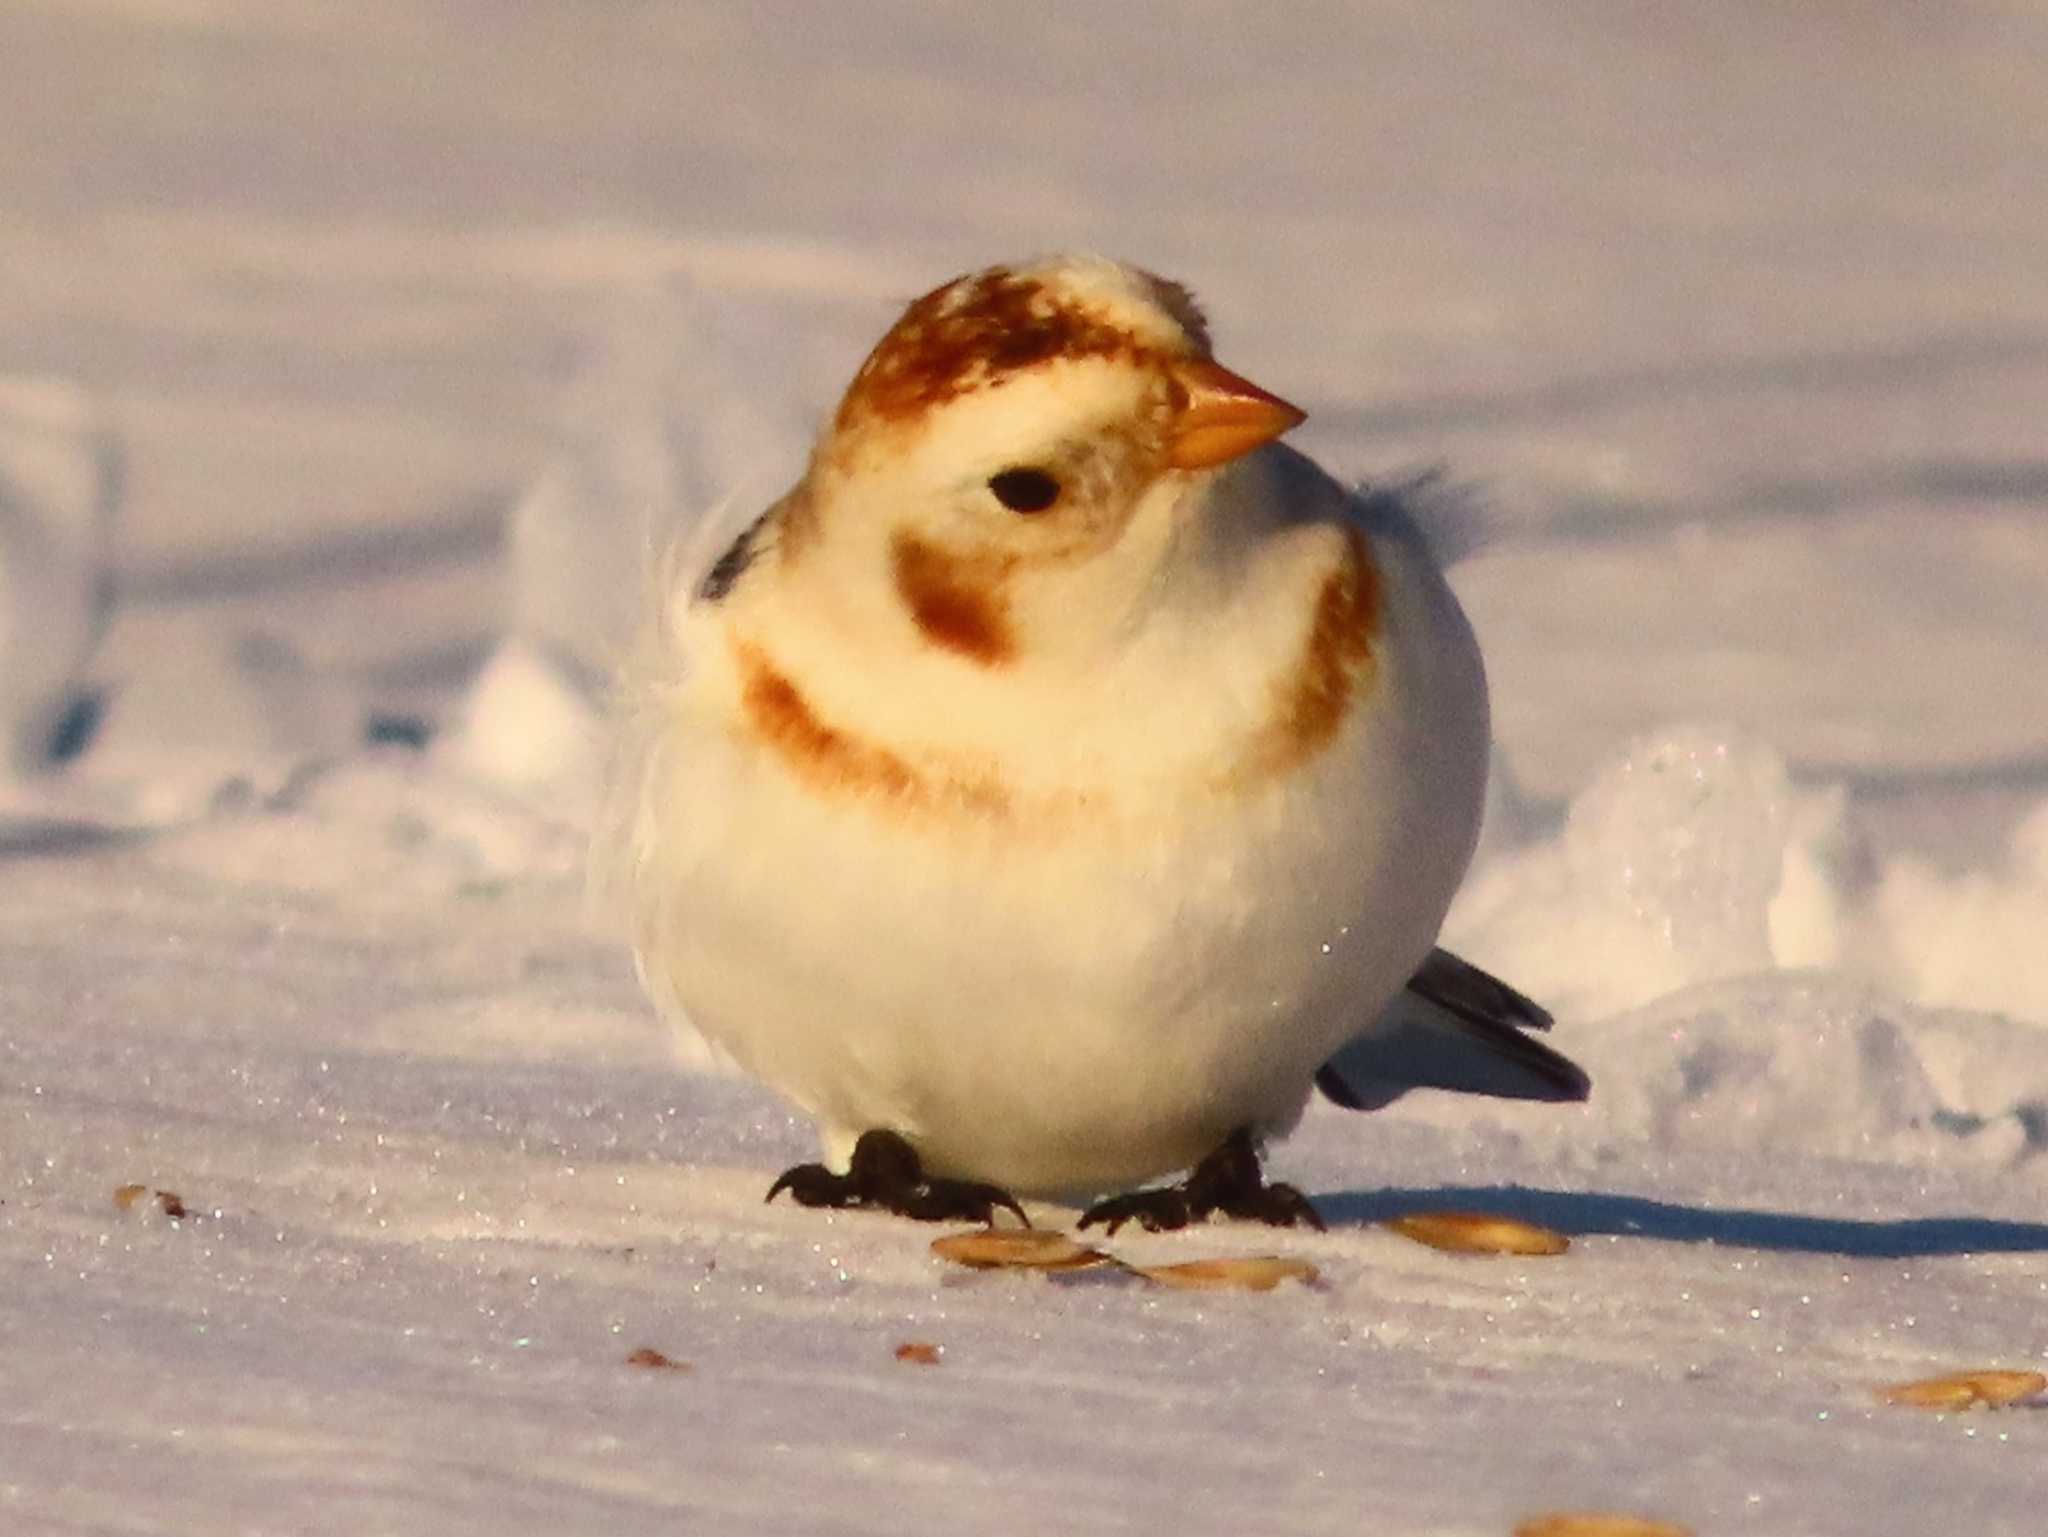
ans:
x=1024 y=490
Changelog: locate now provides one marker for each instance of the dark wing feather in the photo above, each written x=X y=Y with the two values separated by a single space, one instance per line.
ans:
x=1454 y=1027
x=1478 y=997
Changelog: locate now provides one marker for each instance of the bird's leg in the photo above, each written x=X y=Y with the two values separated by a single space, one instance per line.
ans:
x=885 y=1174
x=1228 y=1180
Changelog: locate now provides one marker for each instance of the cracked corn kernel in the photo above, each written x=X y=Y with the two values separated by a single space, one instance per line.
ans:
x=1597 y=1523
x=1016 y=1249
x=1251 y=1273
x=1468 y=1232
x=1967 y=1390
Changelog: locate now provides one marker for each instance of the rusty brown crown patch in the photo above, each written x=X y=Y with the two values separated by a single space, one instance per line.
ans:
x=959 y=602
x=836 y=761
x=973 y=331
x=1316 y=693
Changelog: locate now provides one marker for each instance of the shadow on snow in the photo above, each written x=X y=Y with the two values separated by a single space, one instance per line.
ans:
x=1638 y=1217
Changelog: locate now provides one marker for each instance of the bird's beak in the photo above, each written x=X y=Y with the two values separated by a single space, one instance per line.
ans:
x=1226 y=416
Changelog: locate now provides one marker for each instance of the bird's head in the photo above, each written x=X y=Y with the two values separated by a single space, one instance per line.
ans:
x=1021 y=452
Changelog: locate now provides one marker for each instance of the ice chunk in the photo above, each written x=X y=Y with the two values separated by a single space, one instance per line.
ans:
x=1687 y=835
x=1690 y=858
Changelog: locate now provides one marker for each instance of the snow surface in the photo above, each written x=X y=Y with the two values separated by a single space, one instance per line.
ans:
x=419 y=324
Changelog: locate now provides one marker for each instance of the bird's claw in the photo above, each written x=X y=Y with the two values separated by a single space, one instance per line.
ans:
x=1276 y=1206
x=1164 y=1210
x=1228 y=1180
x=957 y=1200
x=812 y=1184
x=886 y=1175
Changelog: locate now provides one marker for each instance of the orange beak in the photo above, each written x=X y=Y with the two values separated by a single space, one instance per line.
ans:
x=1226 y=417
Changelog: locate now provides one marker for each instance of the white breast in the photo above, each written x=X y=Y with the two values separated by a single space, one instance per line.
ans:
x=1081 y=997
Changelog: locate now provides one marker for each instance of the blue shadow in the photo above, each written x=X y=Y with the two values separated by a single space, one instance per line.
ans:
x=1736 y=1227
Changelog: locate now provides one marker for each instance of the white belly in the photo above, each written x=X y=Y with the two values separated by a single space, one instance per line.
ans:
x=1064 y=1010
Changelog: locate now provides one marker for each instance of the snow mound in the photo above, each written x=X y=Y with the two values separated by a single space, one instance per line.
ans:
x=1695 y=856
x=1782 y=1071
x=217 y=724
x=1689 y=858
x=689 y=402
x=1817 y=1066
x=378 y=829
x=60 y=478
x=692 y=407
x=1974 y=940
x=1692 y=922
x=529 y=725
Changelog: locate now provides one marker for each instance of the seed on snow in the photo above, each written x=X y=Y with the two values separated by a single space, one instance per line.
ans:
x=1251 y=1273
x=1967 y=1390
x=1016 y=1249
x=1471 y=1232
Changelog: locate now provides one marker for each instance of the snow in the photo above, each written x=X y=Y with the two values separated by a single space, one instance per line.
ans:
x=372 y=354
x=59 y=483
x=1955 y=937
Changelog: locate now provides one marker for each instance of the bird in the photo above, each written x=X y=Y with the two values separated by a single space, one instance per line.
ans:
x=1065 y=779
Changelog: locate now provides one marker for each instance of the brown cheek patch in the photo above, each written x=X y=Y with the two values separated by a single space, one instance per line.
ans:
x=1317 y=693
x=958 y=602
x=835 y=761
x=969 y=334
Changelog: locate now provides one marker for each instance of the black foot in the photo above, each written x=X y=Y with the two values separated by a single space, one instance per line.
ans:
x=885 y=1175
x=1228 y=1180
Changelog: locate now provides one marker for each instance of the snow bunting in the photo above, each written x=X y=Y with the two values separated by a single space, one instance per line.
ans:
x=1065 y=776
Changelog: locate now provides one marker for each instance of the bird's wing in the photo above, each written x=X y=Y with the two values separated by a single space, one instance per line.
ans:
x=1475 y=995
x=1453 y=1027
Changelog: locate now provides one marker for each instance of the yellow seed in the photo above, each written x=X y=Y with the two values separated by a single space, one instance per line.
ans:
x=1469 y=1232
x=127 y=1195
x=1251 y=1273
x=1967 y=1390
x=1016 y=1249
x=1597 y=1523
